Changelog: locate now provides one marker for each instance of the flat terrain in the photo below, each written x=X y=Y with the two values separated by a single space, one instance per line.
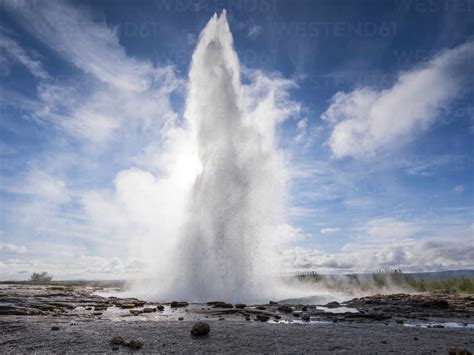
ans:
x=73 y=320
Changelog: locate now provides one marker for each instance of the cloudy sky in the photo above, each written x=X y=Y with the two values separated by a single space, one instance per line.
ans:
x=377 y=107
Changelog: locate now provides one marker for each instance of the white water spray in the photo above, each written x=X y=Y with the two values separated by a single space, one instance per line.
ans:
x=236 y=200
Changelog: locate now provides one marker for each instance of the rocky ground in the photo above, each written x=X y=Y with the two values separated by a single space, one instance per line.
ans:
x=44 y=319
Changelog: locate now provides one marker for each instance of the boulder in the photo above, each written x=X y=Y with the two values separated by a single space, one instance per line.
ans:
x=285 y=309
x=176 y=304
x=240 y=305
x=333 y=305
x=200 y=329
x=262 y=317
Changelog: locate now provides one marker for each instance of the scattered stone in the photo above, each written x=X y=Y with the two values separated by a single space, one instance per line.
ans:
x=415 y=338
x=297 y=313
x=262 y=308
x=134 y=344
x=115 y=348
x=180 y=318
x=333 y=305
x=149 y=309
x=247 y=317
x=219 y=304
x=240 y=305
x=262 y=317
x=200 y=329
x=47 y=307
x=97 y=313
x=160 y=308
x=458 y=351
x=127 y=305
x=439 y=326
x=304 y=309
x=176 y=304
x=276 y=316
x=221 y=318
x=117 y=340
x=399 y=321
x=285 y=309
x=305 y=317
x=54 y=327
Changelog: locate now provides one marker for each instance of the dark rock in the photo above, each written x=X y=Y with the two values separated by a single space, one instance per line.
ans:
x=115 y=348
x=240 y=305
x=285 y=309
x=126 y=305
x=305 y=317
x=149 y=309
x=333 y=305
x=134 y=344
x=297 y=313
x=443 y=304
x=117 y=340
x=54 y=327
x=98 y=313
x=272 y=303
x=136 y=312
x=180 y=318
x=458 y=351
x=7 y=310
x=160 y=308
x=262 y=317
x=219 y=304
x=262 y=308
x=176 y=304
x=200 y=328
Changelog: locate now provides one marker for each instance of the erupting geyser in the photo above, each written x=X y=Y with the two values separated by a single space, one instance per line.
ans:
x=226 y=183
x=236 y=199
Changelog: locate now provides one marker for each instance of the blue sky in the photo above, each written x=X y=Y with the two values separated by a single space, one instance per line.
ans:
x=378 y=134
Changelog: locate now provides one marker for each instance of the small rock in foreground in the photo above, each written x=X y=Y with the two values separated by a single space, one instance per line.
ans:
x=200 y=328
x=117 y=340
x=459 y=351
x=134 y=344
x=55 y=327
x=262 y=317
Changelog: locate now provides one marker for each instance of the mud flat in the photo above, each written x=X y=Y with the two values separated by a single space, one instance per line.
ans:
x=45 y=319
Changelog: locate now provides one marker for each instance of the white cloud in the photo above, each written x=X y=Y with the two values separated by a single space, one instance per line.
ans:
x=12 y=52
x=254 y=31
x=367 y=120
x=12 y=248
x=328 y=230
x=436 y=252
x=458 y=188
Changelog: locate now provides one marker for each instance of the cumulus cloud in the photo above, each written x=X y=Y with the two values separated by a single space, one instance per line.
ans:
x=433 y=252
x=368 y=120
x=328 y=230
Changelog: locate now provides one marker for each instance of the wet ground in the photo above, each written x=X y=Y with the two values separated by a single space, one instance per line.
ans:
x=74 y=319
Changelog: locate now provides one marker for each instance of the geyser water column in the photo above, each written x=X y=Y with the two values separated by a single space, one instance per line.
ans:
x=236 y=202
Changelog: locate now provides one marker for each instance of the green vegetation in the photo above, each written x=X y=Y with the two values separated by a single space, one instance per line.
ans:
x=389 y=280
x=41 y=277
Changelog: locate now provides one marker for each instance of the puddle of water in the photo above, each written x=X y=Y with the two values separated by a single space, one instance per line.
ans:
x=439 y=324
x=338 y=310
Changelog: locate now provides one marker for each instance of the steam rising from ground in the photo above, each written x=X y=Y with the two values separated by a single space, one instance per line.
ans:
x=232 y=175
